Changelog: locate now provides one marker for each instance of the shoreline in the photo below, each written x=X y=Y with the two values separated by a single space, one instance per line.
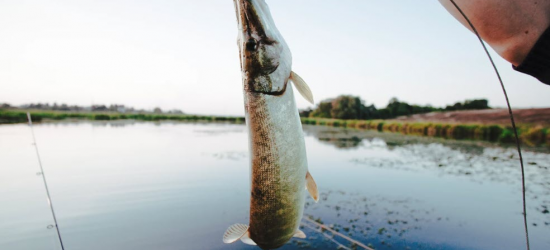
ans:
x=532 y=135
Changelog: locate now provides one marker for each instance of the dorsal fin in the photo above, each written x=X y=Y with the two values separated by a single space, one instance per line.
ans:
x=234 y=232
x=301 y=86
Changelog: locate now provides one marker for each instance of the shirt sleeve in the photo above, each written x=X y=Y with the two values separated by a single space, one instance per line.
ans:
x=537 y=62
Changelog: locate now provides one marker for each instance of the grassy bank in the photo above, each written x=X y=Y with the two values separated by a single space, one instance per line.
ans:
x=530 y=135
x=20 y=116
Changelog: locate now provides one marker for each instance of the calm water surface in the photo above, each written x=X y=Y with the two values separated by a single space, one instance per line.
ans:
x=125 y=185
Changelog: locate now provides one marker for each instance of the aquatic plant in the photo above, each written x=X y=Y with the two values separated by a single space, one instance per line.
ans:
x=530 y=135
x=534 y=136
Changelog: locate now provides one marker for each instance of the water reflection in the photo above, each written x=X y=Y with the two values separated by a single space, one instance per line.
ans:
x=352 y=138
x=174 y=185
x=231 y=155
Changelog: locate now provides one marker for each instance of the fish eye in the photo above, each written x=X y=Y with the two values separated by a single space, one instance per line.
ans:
x=251 y=45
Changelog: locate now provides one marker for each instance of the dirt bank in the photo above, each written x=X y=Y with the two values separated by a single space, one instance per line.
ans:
x=539 y=116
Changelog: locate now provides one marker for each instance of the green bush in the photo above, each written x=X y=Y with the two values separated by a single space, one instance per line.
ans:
x=380 y=126
x=102 y=117
x=494 y=133
x=507 y=136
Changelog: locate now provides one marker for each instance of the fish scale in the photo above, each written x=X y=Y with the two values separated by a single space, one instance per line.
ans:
x=278 y=163
x=278 y=178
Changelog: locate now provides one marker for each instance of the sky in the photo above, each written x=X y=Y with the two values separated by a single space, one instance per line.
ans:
x=183 y=54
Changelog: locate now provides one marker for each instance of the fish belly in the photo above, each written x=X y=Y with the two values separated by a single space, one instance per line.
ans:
x=278 y=167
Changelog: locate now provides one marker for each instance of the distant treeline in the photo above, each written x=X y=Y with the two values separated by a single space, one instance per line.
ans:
x=20 y=116
x=352 y=107
x=93 y=108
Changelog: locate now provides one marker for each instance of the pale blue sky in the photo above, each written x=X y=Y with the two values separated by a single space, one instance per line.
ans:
x=183 y=54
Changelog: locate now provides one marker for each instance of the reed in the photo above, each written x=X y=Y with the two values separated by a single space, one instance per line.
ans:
x=362 y=124
x=535 y=136
x=351 y=123
x=530 y=135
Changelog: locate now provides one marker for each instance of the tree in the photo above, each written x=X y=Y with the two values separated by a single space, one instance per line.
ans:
x=347 y=107
x=352 y=107
x=397 y=108
x=322 y=110
x=476 y=104
x=470 y=104
x=343 y=107
x=305 y=112
x=370 y=112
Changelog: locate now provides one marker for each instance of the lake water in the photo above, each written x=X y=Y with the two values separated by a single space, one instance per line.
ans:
x=145 y=185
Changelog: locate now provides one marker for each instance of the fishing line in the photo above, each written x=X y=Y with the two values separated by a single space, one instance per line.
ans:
x=337 y=233
x=511 y=118
x=340 y=245
x=44 y=180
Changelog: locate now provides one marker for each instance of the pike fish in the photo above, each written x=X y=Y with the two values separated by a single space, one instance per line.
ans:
x=279 y=169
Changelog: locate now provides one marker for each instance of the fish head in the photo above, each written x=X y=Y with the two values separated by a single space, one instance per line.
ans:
x=265 y=58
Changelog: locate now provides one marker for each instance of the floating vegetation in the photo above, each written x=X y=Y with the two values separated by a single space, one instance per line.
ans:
x=490 y=165
x=354 y=221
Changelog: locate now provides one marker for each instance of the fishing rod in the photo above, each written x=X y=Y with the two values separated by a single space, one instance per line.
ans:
x=511 y=119
x=45 y=182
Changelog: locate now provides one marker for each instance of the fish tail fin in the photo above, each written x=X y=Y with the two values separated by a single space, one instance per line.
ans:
x=236 y=232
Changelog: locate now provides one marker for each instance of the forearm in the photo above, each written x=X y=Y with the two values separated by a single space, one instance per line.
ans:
x=510 y=27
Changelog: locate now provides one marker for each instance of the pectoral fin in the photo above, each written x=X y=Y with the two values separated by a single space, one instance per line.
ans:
x=301 y=86
x=235 y=232
x=299 y=234
x=312 y=187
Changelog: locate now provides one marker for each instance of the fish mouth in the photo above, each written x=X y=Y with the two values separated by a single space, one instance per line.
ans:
x=255 y=21
x=258 y=36
x=262 y=49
